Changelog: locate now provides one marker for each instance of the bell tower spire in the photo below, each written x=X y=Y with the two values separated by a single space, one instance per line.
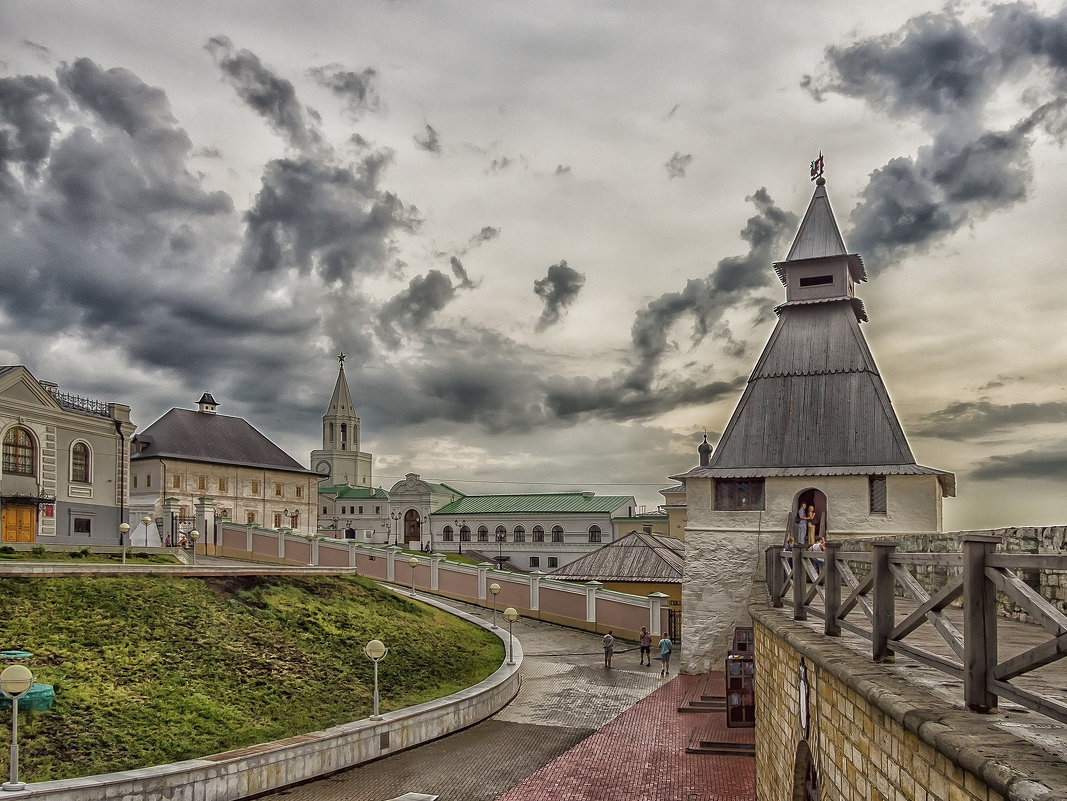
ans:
x=340 y=459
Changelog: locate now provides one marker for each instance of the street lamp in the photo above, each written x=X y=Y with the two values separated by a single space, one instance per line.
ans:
x=15 y=682
x=494 y=588
x=147 y=522
x=500 y=537
x=511 y=615
x=375 y=650
x=124 y=529
x=194 y=535
x=414 y=563
x=396 y=526
x=459 y=534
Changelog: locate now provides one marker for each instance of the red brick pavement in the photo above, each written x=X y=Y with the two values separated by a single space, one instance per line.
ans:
x=640 y=755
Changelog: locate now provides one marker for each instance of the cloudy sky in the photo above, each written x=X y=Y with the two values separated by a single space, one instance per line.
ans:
x=542 y=232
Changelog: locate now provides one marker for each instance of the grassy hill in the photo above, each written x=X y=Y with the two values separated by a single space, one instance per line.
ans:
x=149 y=670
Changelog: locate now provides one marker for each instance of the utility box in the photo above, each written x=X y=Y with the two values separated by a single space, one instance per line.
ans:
x=741 y=681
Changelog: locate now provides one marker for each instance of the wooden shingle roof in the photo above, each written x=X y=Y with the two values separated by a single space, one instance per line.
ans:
x=636 y=557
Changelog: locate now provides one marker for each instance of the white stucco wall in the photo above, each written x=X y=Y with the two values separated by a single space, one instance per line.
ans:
x=724 y=550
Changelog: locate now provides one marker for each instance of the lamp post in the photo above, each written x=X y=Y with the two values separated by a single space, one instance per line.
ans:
x=15 y=682
x=500 y=537
x=396 y=526
x=414 y=562
x=310 y=537
x=194 y=535
x=494 y=588
x=459 y=534
x=147 y=522
x=124 y=529
x=375 y=650
x=511 y=615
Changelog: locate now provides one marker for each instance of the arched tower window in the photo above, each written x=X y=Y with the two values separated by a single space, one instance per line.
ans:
x=80 y=463
x=557 y=533
x=18 y=452
x=520 y=534
x=594 y=533
x=344 y=436
x=538 y=534
x=447 y=533
x=483 y=534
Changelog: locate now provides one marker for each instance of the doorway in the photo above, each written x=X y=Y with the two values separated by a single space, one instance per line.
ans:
x=813 y=497
x=412 y=527
x=18 y=523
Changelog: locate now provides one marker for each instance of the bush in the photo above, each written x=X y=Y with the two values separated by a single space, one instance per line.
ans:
x=7 y=549
x=38 y=550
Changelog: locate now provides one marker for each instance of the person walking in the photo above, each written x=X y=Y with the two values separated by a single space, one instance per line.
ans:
x=609 y=648
x=646 y=647
x=665 y=654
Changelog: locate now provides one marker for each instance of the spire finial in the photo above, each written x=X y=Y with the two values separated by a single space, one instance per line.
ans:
x=817 y=171
x=341 y=357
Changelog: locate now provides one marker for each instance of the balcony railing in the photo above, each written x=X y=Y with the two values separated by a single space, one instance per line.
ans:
x=834 y=584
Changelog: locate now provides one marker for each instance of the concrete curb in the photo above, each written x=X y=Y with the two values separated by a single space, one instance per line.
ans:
x=271 y=766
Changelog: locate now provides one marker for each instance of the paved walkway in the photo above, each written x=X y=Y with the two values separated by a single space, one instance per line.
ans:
x=562 y=738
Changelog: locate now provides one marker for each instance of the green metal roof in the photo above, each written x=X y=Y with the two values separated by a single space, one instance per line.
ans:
x=343 y=492
x=546 y=503
x=443 y=489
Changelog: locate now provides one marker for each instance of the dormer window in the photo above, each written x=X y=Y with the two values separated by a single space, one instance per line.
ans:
x=817 y=280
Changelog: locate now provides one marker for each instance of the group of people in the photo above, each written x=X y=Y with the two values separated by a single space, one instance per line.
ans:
x=665 y=647
x=804 y=527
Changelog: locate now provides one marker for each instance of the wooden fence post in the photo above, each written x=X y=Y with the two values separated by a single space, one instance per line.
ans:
x=979 y=624
x=775 y=575
x=831 y=591
x=884 y=601
x=800 y=583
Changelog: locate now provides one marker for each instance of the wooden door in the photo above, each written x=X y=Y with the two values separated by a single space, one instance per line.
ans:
x=18 y=523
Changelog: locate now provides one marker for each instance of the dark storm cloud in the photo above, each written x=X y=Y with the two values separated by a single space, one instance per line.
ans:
x=358 y=90
x=28 y=104
x=1048 y=464
x=561 y=170
x=414 y=308
x=429 y=140
x=461 y=273
x=610 y=399
x=331 y=220
x=270 y=95
x=677 y=164
x=968 y=420
x=945 y=71
x=558 y=289
x=735 y=281
x=487 y=234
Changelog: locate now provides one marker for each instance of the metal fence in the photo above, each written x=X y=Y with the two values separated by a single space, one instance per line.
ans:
x=834 y=584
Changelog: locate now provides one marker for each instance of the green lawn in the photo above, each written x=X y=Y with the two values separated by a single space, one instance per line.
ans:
x=149 y=669
x=41 y=554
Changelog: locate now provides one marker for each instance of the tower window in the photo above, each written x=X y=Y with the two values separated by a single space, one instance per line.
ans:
x=817 y=280
x=877 y=492
x=744 y=495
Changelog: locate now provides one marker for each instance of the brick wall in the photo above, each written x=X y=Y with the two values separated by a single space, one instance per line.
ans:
x=874 y=735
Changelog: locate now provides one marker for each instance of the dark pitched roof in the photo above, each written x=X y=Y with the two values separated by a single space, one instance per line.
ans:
x=815 y=403
x=636 y=557
x=213 y=438
x=343 y=492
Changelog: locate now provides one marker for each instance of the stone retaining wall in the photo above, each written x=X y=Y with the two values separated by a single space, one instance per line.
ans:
x=875 y=735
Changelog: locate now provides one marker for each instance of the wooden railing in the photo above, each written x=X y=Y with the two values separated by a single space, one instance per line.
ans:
x=827 y=586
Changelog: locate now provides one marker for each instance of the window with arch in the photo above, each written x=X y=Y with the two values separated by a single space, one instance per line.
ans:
x=464 y=533
x=483 y=534
x=501 y=534
x=557 y=533
x=538 y=534
x=520 y=534
x=344 y=436
x=594 y=533
x=447 y=534
x=80 y=462
x=18 y=452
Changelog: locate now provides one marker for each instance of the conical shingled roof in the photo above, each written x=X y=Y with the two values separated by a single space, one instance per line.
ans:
x=815 y=403
x=341 y=402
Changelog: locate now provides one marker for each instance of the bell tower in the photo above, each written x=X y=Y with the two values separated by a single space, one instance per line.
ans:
x=340 y=460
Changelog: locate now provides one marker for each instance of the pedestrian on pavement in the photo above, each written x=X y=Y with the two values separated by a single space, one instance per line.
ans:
x=609 y=648
x=665 y=654
x=646 y=647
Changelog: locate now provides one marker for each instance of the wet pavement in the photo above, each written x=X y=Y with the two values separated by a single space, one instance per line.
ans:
x=575 y=732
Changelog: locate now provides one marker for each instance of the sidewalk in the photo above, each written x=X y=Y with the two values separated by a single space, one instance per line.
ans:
x=575 y=731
